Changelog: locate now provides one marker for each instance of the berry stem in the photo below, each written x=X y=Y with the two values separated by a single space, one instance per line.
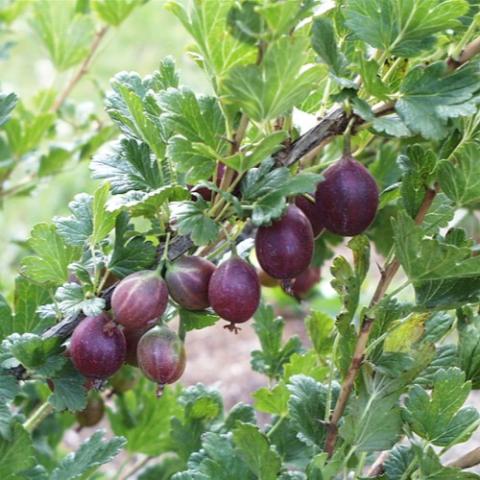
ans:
x=37 y=417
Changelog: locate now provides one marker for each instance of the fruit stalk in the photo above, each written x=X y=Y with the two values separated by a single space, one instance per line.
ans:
x=37 y=417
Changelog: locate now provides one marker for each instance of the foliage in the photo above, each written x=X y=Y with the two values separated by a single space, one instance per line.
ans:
x=400 y=79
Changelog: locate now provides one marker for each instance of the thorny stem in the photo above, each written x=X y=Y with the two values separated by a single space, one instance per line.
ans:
x=468 y=460
x=388 y=273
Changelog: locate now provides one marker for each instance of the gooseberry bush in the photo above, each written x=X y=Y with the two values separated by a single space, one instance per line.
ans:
x=338 y=143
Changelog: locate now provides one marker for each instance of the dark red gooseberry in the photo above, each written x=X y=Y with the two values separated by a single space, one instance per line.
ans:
x=139 y=299
x=97 y=347
x=234 y=290
x=347 y=200
x=285 y=249
x=161 y=356
x=311 y=212
x=92 y=413
x=303 y=284
x=187 y=281
x=266 y=280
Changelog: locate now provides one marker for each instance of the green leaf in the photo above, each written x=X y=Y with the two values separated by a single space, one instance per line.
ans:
x=130 y=254
x=432 y=469
x=77 y=228
x=255 y=154
x=325 y=44
x=277 y=85
x=199 y=128
x=439 y=215
x=347 y=280
x=206 y=21
x=7 y=104
x=282 y=17
x=196 y=320
x=320 y=328
x=437 y=258
x=203 y=407
x=133 y=106
x=144 y=419
x=127 y=165
x=398 y=461
x=16 y=453
x=53 y=256
x=306 y=408
x=372 y=423
x=266 y=190
x=431 y=95
x=273 y=401
x=273 y=355
x=403 y=27
x=147 y=204
x=239 y=413
x=103 y=220
x=35 y=352
x=191 y=219
x=439 y=418
x=418 y=168
x=66 y=35
x=27 y=298
x=69 y=389
x=217 y=460
x=72 y=299
x=92 y=453
x=469 y=348
x=53 y=162
x=114 y=12
x=255 y=450
x=25 y=134
x=459 y=180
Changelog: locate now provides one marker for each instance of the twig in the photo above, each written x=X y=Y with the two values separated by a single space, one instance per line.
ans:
x=468 y=460
x=84 y=68
x=388 y=273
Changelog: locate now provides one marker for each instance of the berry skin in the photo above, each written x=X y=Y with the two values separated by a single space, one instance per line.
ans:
x=347 y=200
x=140 y=299
x=303 y=284
x=161 y=356
x=92 y=413
x=97 y=347
x=187 y=281
x=234 y=290
x=310 y=210
x=285 y=249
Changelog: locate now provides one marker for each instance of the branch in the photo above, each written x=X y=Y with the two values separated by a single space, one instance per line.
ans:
x=468 y=460
x=388 y=273
x=331 y=125
x=84 y=68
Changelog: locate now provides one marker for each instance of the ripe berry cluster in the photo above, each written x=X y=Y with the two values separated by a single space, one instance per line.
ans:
x=345 y=203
